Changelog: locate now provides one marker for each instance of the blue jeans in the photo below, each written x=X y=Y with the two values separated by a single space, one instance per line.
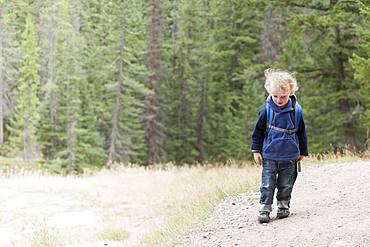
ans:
x=281 y=175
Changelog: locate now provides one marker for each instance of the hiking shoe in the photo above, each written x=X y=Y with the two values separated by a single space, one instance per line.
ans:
x=282 y=213
x=264 y=217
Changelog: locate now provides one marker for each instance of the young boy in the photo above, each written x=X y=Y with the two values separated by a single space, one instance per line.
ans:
x=279 y=141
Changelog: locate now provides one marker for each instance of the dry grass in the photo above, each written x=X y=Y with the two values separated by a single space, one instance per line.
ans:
x=339 y=157
x=162 y=204
x=10 y=167
x=192 y=195
x=43 y=236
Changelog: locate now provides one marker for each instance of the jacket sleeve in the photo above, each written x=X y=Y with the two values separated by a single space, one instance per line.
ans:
x=259 y=131
x=302 y=137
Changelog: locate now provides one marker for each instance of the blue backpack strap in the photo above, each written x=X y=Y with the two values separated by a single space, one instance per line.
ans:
x=298 y=115
x=269 y=114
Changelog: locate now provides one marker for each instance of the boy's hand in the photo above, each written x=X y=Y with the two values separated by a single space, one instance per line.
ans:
x=258 y=158
x=300 y=158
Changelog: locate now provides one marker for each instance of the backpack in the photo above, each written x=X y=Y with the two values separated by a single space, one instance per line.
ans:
x=297 y=114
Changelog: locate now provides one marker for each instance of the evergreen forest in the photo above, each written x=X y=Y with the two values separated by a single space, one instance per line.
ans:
x=99 y=82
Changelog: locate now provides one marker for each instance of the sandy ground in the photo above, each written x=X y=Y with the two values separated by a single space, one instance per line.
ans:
x=329 y=207
x=50 y=211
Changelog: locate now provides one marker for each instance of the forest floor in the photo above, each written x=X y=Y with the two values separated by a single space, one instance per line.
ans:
x=329 y=207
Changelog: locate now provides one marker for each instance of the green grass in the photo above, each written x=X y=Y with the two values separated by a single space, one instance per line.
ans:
x=113 y=234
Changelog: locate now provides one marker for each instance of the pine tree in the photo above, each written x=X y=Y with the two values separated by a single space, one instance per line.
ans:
x=9 y=59
x=99 y=55
x=203 y=75
x=154 y=127
x=127 y=141
x=23 y=126
x=48 y=26
x=90 y=143
x=78 y=140
x=90 y=150
x=361 y=65
x=186 y=84
x=322 y=38
x=115 y=47
x=236 y=56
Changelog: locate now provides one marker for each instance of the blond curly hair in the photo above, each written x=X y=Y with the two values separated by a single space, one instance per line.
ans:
x=280 y=81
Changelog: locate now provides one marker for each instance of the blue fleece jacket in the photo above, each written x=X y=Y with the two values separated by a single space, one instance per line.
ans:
x=276 y=145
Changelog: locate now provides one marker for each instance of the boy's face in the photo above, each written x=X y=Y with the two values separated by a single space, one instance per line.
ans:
x=280 y=98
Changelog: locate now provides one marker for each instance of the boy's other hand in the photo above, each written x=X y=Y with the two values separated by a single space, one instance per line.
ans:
x=257 y=158
x=300 y=158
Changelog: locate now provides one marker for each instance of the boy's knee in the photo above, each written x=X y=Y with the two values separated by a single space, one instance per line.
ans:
x=269 y=187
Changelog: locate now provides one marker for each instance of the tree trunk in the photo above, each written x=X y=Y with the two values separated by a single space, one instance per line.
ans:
x=50 y=75
x=112 y=154
x=344 y=104
x=203 y=102
x=200 y=123
x=71 y=145
x=271 y=40
x=2 y=59
x=153 y=130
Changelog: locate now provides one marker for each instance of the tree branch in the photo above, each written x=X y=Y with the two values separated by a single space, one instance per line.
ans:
x=308 y=6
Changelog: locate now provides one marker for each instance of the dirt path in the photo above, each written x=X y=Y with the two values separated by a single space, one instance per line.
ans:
x=329 y=207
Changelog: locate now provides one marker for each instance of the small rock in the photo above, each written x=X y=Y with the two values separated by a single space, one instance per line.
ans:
x=233 y=203
x=204 y=236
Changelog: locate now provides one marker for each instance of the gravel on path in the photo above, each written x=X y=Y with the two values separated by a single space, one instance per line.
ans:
x=329 y=207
